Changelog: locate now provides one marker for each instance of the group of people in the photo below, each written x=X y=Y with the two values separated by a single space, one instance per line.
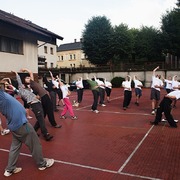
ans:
x=42 y=101
x=172 y=86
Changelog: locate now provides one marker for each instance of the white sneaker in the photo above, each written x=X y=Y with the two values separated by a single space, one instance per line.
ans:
x=5 y=131
x=163 y=120
x=153 y=112
x=16 y=170
x=29 y=117
x=103 y=105
x=49 y=163
x=96 y=111
x=175 y=120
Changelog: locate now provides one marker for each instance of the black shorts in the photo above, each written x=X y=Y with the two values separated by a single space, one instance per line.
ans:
x=155 y=94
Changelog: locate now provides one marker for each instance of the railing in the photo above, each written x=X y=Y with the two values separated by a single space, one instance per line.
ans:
x=148 y=66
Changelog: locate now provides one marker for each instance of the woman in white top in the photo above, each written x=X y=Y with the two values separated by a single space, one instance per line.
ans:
x=127 y=91
x=67 y=102
x=108 y=89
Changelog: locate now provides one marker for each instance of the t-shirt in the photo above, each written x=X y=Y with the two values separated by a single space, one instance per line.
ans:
x=175 y=93
x=168 y=84
x=137 y=84
x=127 y=85
x=156 y=82
x=64 y=90
x=13 y=110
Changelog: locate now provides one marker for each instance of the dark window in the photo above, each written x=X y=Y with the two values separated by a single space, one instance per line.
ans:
x=45 y=49
x=51 y=49
x=11 y=45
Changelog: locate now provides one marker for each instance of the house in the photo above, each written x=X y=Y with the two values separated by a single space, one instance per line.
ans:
x=71 y=55
x=20 y=41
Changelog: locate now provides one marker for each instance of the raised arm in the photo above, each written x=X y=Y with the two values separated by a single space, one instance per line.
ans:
x=20 y=84
x=30 y=73
x=52 y=77
x=154 y=71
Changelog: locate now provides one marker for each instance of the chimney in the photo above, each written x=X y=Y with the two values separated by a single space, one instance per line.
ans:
x=75 y=40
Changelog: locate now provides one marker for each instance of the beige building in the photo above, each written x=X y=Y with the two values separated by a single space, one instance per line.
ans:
x=71 y=55
x=19 y=44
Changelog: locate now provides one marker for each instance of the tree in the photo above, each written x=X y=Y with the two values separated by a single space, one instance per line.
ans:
x=171 y=31
x=97 y=39
x=148 y=44
x=121 y=43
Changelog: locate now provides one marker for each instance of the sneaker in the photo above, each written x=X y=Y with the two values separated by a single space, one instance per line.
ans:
x=29 y=117
x=103 y=105
x=48 y=137
x=175 y=120
x=76 y=104
x=57 y=126
x=74 y=117
x=163 y=120
x=9 y=173
x=153 y=112
x=62 y=117
x=96 y=111
x=49 y=163
x=5 y=131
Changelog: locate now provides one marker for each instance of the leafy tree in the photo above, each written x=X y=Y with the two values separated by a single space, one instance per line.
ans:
x=148 y=44
x=96 y=40
x=121 y=43
x=171 y=30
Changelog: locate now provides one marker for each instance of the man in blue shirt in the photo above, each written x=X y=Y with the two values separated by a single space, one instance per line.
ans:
x=22 y=132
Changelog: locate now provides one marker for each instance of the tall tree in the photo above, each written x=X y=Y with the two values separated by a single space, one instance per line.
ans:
x=171 y=30
x=121 y=43
x=148 y=44
x=97 y=39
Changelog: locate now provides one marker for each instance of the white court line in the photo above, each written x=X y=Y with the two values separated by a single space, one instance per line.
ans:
x=91 y=167
x=137 y=147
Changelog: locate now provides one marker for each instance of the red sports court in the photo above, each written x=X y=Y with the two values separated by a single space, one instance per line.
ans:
x=112 y=145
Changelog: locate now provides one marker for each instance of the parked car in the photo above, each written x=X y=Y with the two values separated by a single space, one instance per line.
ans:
x=72 y=86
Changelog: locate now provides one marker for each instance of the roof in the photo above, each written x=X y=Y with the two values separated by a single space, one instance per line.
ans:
x=70 y=46
x=26 y=24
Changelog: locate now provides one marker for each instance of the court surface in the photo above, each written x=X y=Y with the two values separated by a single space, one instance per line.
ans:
x=112 y=145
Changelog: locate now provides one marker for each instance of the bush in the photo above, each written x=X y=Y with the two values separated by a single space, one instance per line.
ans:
x=117 y=82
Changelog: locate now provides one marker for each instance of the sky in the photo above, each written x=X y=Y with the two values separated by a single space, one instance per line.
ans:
x=67 y=18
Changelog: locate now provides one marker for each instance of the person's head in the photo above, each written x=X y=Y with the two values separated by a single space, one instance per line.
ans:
x=127 y=78
x=169 y=77
x=27 y=79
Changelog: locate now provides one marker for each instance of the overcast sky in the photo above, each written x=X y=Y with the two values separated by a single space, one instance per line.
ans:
x=67 y=18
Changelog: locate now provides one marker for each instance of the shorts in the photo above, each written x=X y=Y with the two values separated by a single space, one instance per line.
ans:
x=155 y=94
x=138 y=92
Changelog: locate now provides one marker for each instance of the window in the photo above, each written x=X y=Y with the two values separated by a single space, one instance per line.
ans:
x=70 y=57
x=45 y=49
x=51 y=65
x=11 y=45
x=74 y=56
x=62 y=58
x=51 y=50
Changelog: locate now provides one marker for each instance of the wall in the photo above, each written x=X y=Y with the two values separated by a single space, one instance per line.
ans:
x=142 y=75
x=16 y=62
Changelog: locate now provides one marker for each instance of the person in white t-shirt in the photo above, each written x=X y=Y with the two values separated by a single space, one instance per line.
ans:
x=168 y=83
x=175 y=87
x=156 y=86
x=80 y=89
x=108 y=89
x=138 y=89
x=127 y=91
x=165 y=107
x=67 y=103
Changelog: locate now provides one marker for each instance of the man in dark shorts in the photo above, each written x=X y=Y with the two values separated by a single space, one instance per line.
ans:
x=155 y=90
